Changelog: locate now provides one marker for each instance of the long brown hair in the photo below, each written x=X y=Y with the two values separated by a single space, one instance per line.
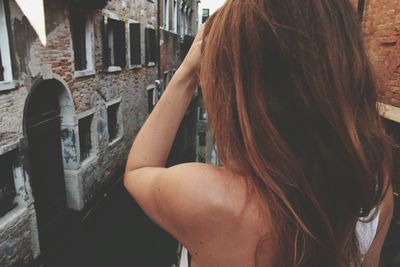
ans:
x=292 y=102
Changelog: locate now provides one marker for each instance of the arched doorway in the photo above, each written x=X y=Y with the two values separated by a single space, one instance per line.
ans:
x=43 y=131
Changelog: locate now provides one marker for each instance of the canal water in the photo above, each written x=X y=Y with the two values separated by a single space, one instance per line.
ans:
x=115 y=234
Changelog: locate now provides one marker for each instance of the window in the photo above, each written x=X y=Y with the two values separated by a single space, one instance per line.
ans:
x=166 y=15
x=206 y=14
x=82 y=40
x=150 y=99
x=135 y=54
x=151 y=46
x=5 y=57
x=202 y=114
x=166 y=80
x=182 y=22
x=202 y=139
x=85 y=137
x=112 y=117
x=114 y=43
x=158 y=93
x=185 y=11
x=189 y=21
x=79 y=41
x=201 y=146
x=175 y=20
x=7 y=186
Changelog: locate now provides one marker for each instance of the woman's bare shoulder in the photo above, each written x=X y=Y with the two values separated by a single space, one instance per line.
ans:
x=206 y=187
x=200 y=199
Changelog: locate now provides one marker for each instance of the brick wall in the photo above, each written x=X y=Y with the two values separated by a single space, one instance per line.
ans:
x=381 y=26
x=33 y=63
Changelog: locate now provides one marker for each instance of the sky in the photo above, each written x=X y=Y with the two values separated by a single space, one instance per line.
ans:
x=213 y=5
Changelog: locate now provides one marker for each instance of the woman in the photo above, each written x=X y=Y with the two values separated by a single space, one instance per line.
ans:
x=292 y=102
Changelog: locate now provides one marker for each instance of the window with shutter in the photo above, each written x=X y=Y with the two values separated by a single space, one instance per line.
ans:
x=135 y=44
x=79 y=40
x=85 y=137
x=114 y=43
x=150 y=99
x=119 y=43
x=5 y=56
x=151 y=46
x=113 y=123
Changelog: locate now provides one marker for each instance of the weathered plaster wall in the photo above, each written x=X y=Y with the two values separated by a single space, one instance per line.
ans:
x=18 y=233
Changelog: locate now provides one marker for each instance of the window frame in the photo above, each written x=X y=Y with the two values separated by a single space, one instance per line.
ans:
x=166 y=80
x=154 y=100
x=90 y=151
x=202 y=139
x=200 y=117
x=5 y=53
x=118 y=124
x=166 y=15
x=201 y=148
x=175 y=20
x=151 y=61
x=139 y=42
x=182 y=21
x=203 y=18
x=89 y=47
x=109 y=57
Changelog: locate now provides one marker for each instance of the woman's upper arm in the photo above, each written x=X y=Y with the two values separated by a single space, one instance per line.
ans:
x=141 y=184
x=175 y=198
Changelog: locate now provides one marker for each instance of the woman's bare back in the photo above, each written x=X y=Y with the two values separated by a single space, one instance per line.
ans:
x=212 y=213
x=234 y=228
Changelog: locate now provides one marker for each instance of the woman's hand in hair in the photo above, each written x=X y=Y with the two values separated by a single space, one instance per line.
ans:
x=191 y=64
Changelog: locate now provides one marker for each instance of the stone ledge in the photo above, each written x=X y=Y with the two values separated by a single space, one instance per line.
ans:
x=133 y=67
x=84 y=73
x=389 y=112
x=150 y=64
x=113 y=69
x=8 y=142
x=116 y=141
x=9 y=85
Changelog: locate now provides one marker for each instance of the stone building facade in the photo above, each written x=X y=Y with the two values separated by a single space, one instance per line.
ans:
x=178 y=25
x=70 y=110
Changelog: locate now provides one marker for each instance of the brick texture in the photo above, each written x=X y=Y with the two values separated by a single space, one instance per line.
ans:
x=32 y=63
x=381 y=26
